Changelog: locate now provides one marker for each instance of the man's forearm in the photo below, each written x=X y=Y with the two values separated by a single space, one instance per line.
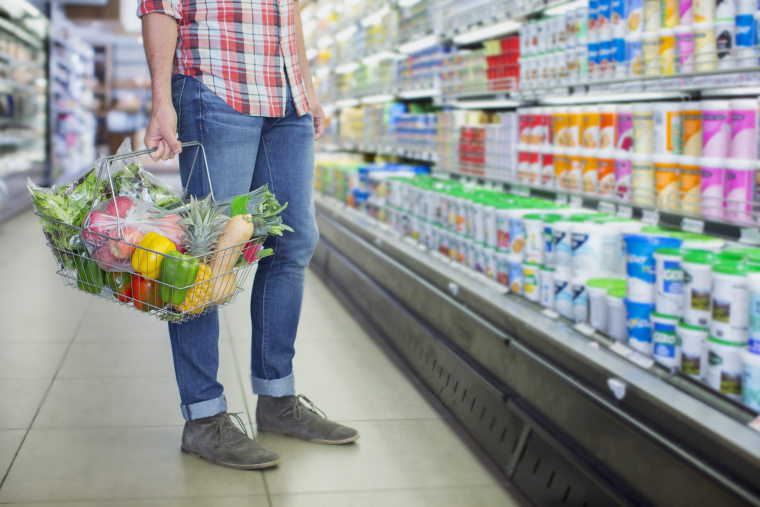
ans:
x=303 y=61
x=160 y=40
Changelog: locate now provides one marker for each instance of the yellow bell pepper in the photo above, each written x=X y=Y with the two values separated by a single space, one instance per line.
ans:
x=147 y=262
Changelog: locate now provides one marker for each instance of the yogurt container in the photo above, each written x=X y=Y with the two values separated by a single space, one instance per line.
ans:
x=597 y=289
x=686 y=12
x=548 y=237
x=705 y=50
x=725 y=368
x=725 y=35
x=605 y=170
x=669 y=280
x=691 y=129
x=634 y=54
x=667 y=41
x=491 y=261
x=546 y=274
x=642 y=179
x=716 y=128
x=530 y=279
x=589 y=172
x=691 y=185
x=744 y=129
x=643 y=128
x=668 y=131
x=640 y=326
x=563 y=293
x=623 y=188
x=713 y=179
x=666 y=346
x=740 y=189
x=573 y=180
x=667 y=182
x=651 y=15
x=502 y=268
x=754 y=312
x=617 y=324
x=730 y=301
x=697 y=289
x=704 y=10
x=751 y=380
x=589 y=127
x=624 y=128
x=693 y=341
x=640 y=264
x=597 y=246
x=533 y=226
x=580 y=297
x=514 y=264
x=650 y=50
x=746 y=34
x=684 y=48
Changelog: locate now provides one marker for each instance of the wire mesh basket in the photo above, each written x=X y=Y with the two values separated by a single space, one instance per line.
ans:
x=170 y=286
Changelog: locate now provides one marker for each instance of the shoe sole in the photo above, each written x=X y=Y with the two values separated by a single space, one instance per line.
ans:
x=313 y=440
x=257 y=466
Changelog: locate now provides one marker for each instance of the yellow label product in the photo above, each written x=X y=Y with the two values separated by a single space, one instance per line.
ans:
x=667 y=183
x=705 y=50
x=573 y=127
x=670 y=13
x=691 y=182
x=589 y=129
x=691 y=126
x=560 y=121
x=561 y=168
x=574 y=169
x=643 y=128
x=667 y=52
x=650 y=50
x=642 y=179
x=589 y=174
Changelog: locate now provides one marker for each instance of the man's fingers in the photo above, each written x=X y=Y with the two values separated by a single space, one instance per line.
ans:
x=174 y=145
x=159 y=153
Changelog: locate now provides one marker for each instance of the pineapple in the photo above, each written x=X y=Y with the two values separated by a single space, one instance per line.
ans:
x=200 y=293
x=203 y=225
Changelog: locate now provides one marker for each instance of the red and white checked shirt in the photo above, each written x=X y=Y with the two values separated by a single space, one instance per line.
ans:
x=240 y=49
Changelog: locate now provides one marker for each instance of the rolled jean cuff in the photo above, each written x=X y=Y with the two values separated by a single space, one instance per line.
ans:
x=204 y=408
x=284 y=386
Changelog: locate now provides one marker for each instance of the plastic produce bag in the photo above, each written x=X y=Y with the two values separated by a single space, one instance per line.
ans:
x=111 y=240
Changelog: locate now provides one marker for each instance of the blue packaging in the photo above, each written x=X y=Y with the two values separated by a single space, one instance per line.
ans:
x=618 y=13
x=640 y=264
x=605 y=13
x=515 y=275
x=563 y=297
x=593 y=15
x=605 y=54
x=665 y=340
x=746 y=31
x=619 y=54
x=594 y=58
x=754 y=323
x=516 y=234
x=548 y=246
x=751 y=382
x=639 y=318
x=634 y=15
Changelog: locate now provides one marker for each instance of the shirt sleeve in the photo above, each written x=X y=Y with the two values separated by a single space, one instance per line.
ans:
x=172 y=8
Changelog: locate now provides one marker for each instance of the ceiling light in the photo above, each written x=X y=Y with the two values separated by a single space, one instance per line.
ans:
x=346 y=68
x=379 y=57
x=419 y=44
x=346 y=33
x=488 y=32
x=347 y=103
x=324 y=42
x=407 y=3
x=376 y=17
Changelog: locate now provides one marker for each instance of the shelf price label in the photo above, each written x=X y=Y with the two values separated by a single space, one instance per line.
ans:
x=693 y=225
x=650 y=216
x=561 y=199
x=606 y=207
x=624 y=211
x=576 y=202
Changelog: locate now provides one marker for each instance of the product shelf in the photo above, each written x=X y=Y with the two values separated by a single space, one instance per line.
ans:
x=694 y=423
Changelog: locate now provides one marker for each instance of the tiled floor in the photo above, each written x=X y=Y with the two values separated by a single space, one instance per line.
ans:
x=89 y=411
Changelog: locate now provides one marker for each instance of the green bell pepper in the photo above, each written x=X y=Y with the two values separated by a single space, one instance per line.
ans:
x=177 y=273
x=90 y=277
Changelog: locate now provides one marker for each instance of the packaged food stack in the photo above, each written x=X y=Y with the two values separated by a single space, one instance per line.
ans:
x=472 y=150
x=501 y=147
x=502 y=57
x=420 y=69
x=534 y=137
x=416 y=132
x=447 y=148
x=414 y=20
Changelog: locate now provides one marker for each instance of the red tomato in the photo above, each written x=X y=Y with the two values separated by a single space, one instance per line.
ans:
x=145 y=294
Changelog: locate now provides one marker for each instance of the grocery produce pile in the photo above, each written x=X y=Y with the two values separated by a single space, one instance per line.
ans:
x=135 y=240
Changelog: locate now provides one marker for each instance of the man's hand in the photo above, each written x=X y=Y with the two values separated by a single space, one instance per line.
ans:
x=319 y=117
x=162 y=133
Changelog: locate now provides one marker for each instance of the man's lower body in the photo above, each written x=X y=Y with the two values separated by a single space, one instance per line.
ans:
x=243 y=153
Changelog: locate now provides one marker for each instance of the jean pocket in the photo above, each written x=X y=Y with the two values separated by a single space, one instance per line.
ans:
x=178 y=88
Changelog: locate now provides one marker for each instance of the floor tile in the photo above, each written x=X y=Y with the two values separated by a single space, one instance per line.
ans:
x=480 y=496
x=30 y=360
x=9 y=442
x=388 y=455
x=126 y=358
x=96 y=402
x=19 y=400
x=106 y=321
x=117 y=464
x=235 y=501
x=351 y=381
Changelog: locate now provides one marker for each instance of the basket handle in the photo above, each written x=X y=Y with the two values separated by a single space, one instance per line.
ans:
x=106 y=163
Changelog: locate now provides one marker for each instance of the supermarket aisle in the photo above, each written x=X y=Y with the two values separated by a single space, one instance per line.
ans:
x=89 y=408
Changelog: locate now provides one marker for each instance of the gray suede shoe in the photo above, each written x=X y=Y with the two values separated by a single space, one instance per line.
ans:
x=217 y=439
x=297 y=416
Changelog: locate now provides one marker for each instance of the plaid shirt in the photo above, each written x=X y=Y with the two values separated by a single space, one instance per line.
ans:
x=240 y=49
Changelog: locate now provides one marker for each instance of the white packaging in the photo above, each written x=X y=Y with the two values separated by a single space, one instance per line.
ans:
x=595 y=245
x=562 y=244
x=730 y=306
x=531 y=281
x=751 y=380
x=534 y=241
x=580 y=296
x=666 y=349
x=617 y=326
x=725 y=368
x=547 y=286
x=693 y=340
x=563 y=294
x=697 y=292
x=669 y=281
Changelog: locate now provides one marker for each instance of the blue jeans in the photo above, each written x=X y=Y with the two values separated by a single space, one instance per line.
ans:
x=245 y=152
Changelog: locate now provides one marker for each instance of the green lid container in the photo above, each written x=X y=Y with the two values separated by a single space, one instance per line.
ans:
x=744 y=252
x=669 y=251
x=699 y=257
x=617 y=292
x=713 y=339
x=734 y=268
x=605 y=283
x=684 y=325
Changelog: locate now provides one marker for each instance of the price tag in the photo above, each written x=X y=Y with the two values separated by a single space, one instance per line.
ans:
x=584 y=329
x=755 y=423
x=550 y=313
x=521 y=191
x=650 y=216
x=606 y=207
x=624 y=211
x=561 y=199
x=693 y=225
x=641 y=360
x=621 y=349
x=576 y=202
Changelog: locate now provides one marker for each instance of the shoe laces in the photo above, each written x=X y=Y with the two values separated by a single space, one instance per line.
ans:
x=302 y=401
x=232 y=417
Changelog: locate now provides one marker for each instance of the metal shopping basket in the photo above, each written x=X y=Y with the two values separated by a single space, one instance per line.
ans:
x=211 y=288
